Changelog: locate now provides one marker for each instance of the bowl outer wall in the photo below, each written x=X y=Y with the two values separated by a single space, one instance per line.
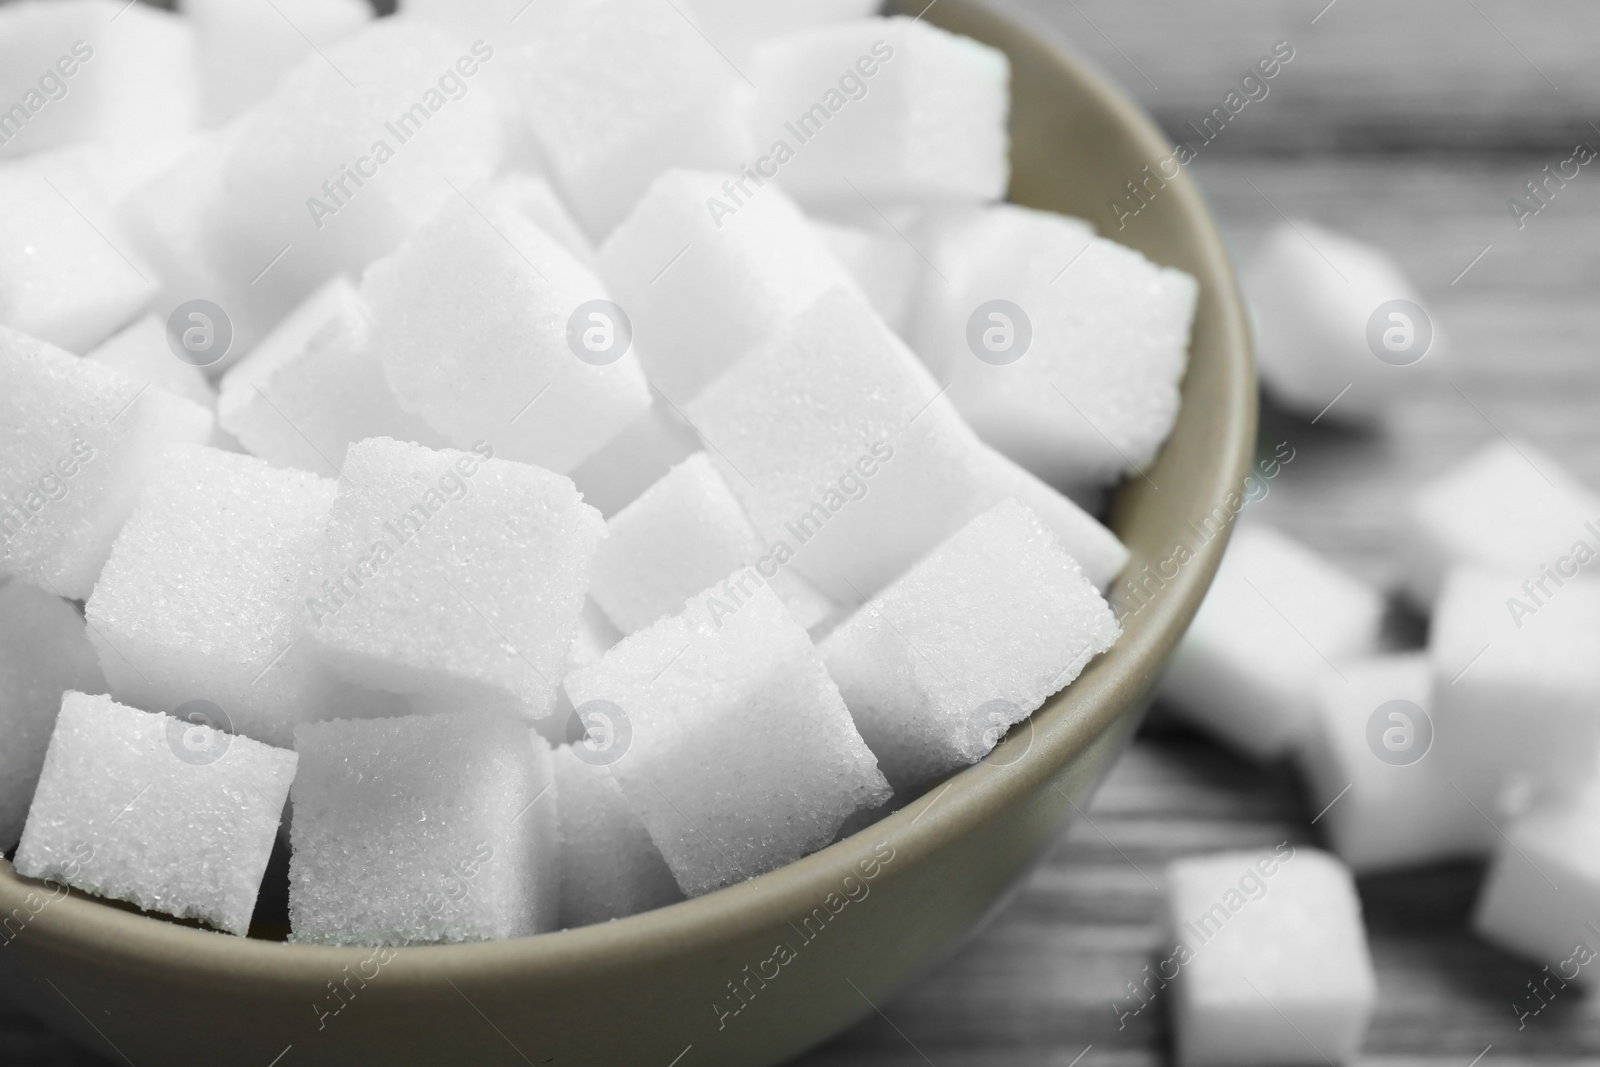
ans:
x=656 y=986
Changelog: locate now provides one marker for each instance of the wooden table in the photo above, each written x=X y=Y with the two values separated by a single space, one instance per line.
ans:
x=1408 y=127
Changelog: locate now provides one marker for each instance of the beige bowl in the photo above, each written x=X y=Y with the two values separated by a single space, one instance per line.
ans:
x=855 y=920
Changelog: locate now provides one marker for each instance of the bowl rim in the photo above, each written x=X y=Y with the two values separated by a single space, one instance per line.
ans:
x=1058 y=731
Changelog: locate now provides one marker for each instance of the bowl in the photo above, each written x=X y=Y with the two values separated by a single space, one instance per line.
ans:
x=758 y=972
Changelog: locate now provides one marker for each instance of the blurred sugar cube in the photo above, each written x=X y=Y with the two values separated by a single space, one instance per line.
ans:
x=885 y=266
x=43 y=653
x=735 y=27
x=535 y=197
x=77 y=442
x=635 y=459
x=740 y=755
x=1383 y=800
x=848 y=459
x=610 y=868
x=1274 y=962
x=489 y=328
x=969 y=641
x=910 y=113
x=453 y=577
x=141 y=352
x=1277 y=617
x=1063 y=350
x=1334 y=313
x=171 y=815
x=685 y=534
x=1509 y=506
x=427 y=828
x=705 y=285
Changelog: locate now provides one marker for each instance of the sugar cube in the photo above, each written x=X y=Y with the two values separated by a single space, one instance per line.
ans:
x=453 y=577
x=993 y=620
x=1062 y=349
x=1335 y=313
x=488 y=327
x=849 y=461
x=1276 y=617
x=1542 y=893
x=1383 y=800
x=739 y=754
x=888 y=111
x=77 y=441
x=141 y=352
x=737 y=26
x=596 y=634
x=302 y=405
x=533 y=195
x=683 y=535
x=167 y=813
x=201 y=598
x=635 y=459
x=1274 y=968
x=1509 y=506
x=43 y=653
x=885 y=266
x=93 y=70
x=703 y=285
x=424 y=828
x=1516 y=686
x=66 y=275
x=246 y=49
x=610 y=868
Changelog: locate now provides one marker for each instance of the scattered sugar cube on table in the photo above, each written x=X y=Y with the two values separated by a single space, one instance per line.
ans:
x=972 y=639
x=1064 y=350
x=424 y=828
x=1273 y=967
x=77 y=442
x=453 y=577
x=163 y=812
x=43 y=653
x=1277 y=617
x=1373 y=782
x=740 y=755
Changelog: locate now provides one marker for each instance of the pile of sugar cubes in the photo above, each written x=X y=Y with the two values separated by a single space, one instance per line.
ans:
x=529 y=464
x=1483 y=744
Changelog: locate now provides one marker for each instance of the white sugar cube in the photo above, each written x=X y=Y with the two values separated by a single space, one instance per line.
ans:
x=848 y=460
x=355 y=148
x=247 y=48
x=164 y=812
x=610 y=868
x=302 y=405
x=489 y=328
x=1277 y=617
x=888 y=111
x=1516 y=686
x=970 y=640
x=93 y=70
x=1273 y=956
x=885 y=265
x=77 y=441
x=635 y=459
x=453 y=577
x=686 y=533
x=534 y=196
x=43 y=653
x=202 y=600
x=1381 y=793
x=740 y=756
x=1331 y=313
x=702 y=284
x=141 y=352
x=596 y=634
x=425 y=828
x=1063 y=350
x=614 y=92
x=737 y=26
x=67 y=275
x=1542 y=893
x=1509 y=506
